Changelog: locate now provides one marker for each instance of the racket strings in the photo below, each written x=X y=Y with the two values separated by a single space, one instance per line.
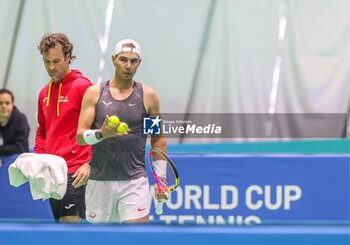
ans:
x=169 y=173
x=170 y=176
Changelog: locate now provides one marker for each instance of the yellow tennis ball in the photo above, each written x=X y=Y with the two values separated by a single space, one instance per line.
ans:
x=122 y=127
x=113 y=120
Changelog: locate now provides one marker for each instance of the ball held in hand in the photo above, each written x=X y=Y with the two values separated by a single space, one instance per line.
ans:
x=113 y=120
x=122 y=127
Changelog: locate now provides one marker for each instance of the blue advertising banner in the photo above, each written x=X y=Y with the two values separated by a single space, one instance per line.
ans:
x=253 y=189
x=16 y=203
x=231 y=189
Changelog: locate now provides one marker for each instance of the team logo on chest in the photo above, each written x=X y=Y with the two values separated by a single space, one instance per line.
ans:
x=106 y=103
x=64 y=98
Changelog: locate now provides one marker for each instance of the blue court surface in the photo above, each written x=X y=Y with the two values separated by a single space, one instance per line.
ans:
x=153 y=234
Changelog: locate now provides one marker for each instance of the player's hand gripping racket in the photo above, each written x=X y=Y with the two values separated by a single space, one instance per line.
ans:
x=165 y=176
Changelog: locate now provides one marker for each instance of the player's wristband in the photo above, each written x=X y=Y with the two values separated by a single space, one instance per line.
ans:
x=92 y=137
x=160 y=168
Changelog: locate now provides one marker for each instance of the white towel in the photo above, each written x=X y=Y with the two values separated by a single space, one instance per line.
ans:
x=46 y=173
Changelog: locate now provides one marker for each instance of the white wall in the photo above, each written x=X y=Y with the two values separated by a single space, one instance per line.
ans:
x=226 y=48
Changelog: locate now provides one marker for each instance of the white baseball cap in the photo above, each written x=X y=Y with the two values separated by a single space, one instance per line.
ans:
x=127 y=45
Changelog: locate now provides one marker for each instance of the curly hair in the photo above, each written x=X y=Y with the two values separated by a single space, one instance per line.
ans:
x=52 y=40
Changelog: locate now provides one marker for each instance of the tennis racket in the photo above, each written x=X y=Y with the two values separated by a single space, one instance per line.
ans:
x=165 y=171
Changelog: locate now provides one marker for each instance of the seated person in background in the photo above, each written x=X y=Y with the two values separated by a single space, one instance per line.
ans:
x=14 y=127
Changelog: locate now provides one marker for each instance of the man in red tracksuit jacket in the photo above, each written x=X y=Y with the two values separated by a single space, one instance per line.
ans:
x=59 y=105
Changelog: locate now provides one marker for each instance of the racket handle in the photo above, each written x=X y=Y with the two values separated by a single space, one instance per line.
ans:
x=159 y=207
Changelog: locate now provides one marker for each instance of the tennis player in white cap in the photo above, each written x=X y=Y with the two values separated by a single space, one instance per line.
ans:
x=118 y=188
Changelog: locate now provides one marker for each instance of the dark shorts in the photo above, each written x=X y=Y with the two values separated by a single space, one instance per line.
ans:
x=72 y=204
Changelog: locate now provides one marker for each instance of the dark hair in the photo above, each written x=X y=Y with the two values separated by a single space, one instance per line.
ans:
x=51 y=40
x=6 y=91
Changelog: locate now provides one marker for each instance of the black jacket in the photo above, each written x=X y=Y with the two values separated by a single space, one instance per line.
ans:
x=15 y=134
